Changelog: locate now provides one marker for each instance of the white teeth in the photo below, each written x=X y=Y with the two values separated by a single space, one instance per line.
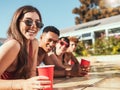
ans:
x=31 y=31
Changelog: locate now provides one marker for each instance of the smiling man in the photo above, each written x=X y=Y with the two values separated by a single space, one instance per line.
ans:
x=48 y=40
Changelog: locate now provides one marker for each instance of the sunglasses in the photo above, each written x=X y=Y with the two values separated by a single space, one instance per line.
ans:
x=29 y=22
x=63 y=43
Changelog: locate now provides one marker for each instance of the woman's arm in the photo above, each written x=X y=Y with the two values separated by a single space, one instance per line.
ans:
x=59 y=69
x=74 y=59
x=8 y=54
x=53 y=60
x=69 y=57
x=38 y=82
x=35 y=54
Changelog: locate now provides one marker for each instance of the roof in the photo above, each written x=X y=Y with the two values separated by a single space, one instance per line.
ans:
x=94 y=23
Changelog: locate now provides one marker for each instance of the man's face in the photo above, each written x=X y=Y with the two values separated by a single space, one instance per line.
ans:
x=48 y=41
x=72 y=46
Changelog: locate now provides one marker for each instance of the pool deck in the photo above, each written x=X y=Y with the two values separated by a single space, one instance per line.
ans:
x=103 y=76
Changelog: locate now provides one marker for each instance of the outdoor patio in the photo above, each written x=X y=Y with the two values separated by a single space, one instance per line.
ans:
x=104 y=75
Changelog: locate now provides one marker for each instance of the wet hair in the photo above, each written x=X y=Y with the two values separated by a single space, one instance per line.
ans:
x=65 y=39
x=73 y=39
x=51 y=29
x=23 y=64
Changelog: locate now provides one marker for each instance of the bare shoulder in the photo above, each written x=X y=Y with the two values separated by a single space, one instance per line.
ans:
x=11 y=44
x=10 y=49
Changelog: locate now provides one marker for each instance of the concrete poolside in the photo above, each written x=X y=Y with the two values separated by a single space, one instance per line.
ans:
x=104 y=75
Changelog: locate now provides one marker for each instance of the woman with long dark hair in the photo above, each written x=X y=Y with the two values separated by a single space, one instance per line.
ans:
x=18 y=55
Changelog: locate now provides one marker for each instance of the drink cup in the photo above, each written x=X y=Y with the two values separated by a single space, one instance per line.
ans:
x=47 y=70
x=85 y=63
x=84 y=67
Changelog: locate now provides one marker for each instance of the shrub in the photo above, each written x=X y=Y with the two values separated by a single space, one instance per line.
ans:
x=102 y=46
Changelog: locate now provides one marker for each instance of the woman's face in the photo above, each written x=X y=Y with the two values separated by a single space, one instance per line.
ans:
x=29 y=25
x=61 y=46
x=73 y=46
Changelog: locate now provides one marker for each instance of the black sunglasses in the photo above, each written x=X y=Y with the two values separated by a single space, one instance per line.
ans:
x=29 y=22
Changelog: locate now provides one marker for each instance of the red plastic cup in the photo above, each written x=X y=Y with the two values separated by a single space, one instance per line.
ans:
x=47 y=70
x=85 y=63
x=85 y=67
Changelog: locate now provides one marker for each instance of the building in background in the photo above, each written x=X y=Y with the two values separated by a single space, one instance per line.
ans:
x=90 y=31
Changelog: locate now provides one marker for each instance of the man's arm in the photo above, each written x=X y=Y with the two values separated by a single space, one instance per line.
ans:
x=53 y=60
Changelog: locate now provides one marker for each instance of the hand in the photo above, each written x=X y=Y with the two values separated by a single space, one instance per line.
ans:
x=35 y=83
x=68 y=71
x=83 y=70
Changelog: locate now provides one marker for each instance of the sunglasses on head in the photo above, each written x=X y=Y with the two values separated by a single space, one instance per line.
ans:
x=29 y=22
x=63 y=43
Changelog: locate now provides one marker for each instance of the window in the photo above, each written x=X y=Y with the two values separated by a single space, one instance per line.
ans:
x=99 y=34
x=86 y=35
x=114 y=30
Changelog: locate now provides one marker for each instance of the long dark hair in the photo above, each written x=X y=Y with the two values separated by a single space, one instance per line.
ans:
x=23 y=66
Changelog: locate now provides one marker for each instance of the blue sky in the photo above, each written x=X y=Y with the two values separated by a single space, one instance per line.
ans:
x=54 y=12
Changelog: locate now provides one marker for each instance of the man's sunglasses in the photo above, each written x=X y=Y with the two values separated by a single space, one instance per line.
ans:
x=63 y=43
x=29 y=22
